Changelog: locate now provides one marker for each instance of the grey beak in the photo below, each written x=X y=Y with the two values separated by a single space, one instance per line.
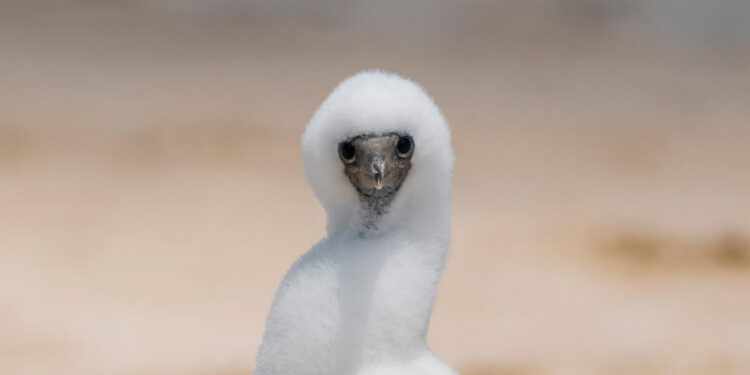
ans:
x=377 y=167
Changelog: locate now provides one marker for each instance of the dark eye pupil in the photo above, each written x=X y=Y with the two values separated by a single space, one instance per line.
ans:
x=346 y=150
x=404 y=145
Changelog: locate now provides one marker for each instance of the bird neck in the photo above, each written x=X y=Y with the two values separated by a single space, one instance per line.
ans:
x=390 y=260
x=371 y=211
x=386 y=286
x=423 y=217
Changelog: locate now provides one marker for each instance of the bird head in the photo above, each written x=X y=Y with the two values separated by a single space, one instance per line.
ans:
x=377 y=164
x=377 y=149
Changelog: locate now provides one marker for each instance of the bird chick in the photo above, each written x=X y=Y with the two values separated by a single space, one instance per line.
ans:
x=378 y=156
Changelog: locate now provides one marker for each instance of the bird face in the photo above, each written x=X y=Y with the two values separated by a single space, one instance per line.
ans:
x=377 y=165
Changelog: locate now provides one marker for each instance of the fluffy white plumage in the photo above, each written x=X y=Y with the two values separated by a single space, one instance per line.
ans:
x=359 y=302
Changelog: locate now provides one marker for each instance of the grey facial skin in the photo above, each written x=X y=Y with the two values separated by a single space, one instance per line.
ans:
x=377 y=166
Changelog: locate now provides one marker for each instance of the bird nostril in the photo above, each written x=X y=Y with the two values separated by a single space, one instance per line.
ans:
x=378 y=166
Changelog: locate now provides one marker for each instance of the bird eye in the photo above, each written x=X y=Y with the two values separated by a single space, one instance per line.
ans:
x=405 y=147
x=347 y=152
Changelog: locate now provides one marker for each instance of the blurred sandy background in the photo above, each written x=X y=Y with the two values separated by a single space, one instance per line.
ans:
x=152 y=193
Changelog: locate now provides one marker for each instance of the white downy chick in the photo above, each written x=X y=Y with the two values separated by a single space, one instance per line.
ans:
x=378 y=156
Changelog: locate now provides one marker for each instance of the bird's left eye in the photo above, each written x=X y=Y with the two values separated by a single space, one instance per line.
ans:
x=405 y=147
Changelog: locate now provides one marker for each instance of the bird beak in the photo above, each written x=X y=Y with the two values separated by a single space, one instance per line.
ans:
x=378 y=165
x=379 y=181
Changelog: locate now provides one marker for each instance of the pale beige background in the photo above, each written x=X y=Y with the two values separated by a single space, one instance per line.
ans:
x=152 y=193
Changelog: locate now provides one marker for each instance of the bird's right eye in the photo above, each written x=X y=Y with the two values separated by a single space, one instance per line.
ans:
x=347 y=152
